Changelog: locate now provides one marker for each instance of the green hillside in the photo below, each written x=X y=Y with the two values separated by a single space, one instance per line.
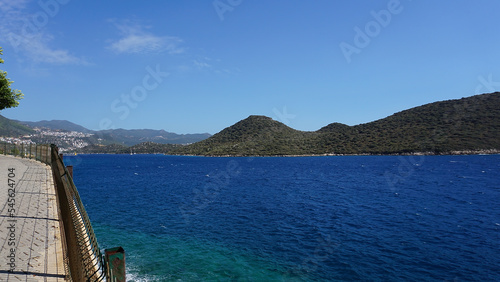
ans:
x=256 y=135
x=467 y=124
x=130 y=137
x=56 y=125
x=10 y=128
x=142 y=148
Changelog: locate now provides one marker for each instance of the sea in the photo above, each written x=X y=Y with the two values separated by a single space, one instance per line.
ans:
x=332 y=218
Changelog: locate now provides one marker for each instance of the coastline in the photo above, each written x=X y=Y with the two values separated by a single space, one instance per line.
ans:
x=450 y=153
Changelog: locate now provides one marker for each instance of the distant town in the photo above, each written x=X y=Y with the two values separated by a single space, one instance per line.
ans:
x=70 y=137
x=462 y=126
x=66 y=140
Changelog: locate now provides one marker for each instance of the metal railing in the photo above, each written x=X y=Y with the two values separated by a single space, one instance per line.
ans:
x=39 y=152
x=85 y=259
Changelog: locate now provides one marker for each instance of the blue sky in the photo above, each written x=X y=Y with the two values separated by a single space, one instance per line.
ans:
x=200 y=66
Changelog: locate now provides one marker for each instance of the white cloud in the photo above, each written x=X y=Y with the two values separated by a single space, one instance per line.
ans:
x=135 y=39
x=32 y=40
x=9 y=5
x=206 y=64
x=39 y=51
x=201 y=65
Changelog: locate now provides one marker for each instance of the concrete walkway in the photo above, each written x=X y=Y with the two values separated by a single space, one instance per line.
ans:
x=30 y=238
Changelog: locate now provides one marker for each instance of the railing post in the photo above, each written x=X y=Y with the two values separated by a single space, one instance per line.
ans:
x=71 y=238
x=46 y=153
x=115 y=262
x=70 y=170
x=86 y=261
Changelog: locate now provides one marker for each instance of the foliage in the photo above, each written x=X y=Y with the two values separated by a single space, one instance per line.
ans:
x=103 y=149
x=142 y=148
x=467 y=124
x=10 y=128
x=152 y=148
x=8 y=98
x=135 y=136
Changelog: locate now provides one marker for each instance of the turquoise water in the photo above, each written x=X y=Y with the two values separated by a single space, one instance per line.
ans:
x=166 y=258
x=369 y=218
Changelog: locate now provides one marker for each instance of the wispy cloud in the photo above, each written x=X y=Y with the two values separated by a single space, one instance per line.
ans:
x=9 y=5
x=39 y=51
x=136 y=39
x=201 y=64
x=33 y=42
x=206 y=64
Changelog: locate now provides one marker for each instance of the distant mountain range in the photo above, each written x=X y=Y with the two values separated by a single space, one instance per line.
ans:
x=130 y=137
x=127 y=137
x=13 y=128
x=465 y=125
x=141 y=148
x=56 y=125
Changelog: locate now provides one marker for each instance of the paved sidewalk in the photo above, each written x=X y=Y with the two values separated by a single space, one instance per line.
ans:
x=30 y=239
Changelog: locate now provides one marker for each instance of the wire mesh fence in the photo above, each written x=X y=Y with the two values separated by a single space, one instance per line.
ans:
x=85 y=259
x=39 y=152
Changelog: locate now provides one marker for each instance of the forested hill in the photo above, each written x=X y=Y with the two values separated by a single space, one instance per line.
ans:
x=467 y=124
x=13 y=128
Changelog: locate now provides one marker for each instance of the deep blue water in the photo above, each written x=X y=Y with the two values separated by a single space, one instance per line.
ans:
x=365 y=218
